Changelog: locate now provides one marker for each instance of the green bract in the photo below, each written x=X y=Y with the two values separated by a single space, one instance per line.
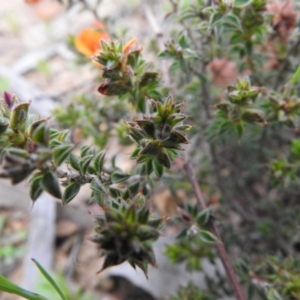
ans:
x=125 y=233
x=159 y=135
x=126 y=73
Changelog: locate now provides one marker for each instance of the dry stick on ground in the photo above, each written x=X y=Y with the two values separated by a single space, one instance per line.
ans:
x=192 y=177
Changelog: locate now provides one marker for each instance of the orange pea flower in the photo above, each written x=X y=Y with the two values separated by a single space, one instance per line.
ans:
x=87 y=42
x=32 y=1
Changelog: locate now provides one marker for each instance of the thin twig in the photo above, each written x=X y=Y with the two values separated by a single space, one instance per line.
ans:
x=279 y=80
x=220 y=246
x=204 y=90
x=192 y=176
x=159 y=36
x=201 y=74
x=92 y=10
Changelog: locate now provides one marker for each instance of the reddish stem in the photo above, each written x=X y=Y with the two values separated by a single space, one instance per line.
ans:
x=220 y=246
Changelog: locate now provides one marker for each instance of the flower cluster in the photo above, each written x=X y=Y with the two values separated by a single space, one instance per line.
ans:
x=125 y=72
x=239 y=104
x=284 y=107
x=125 y=233
x=30 y=148
x=14 y=125
x=159 y=135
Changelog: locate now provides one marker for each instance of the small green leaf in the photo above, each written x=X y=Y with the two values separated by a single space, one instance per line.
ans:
x=115 y=193
x=131 y=215
x=157 y=223
x=19 y=116
x=134 y=188
x=70 y=192
x=135 y=153
x=163 y=159
x=125 y=195
x=233 y=21
x=119 y=177
x=207 y=237
x=34 y=125
x=50 y=279
x=239 y=128
x=97 y=185
x=4 y=122
x=177 y=138
x=111 y=260
x=253 y=116
x=61 y=153
x=143 y=159
x=19 y=153
x=146 y=232
x=151 y=149
x=20 y=175
x=113 y=162
x=84 y=163
x=158 y=169
x=36 y=186
x=74 y=162
x=148 y=78
x=215 y=18
x=189 y=54
x=149 y=167
x=51 y=185
x=241 y=3
x=86 y=150
x=208 y=10
x=273 y=295
x=203 y=217
x=148 y=127
x=99 y=161
x=142 y=266
x=54 y=143
x=41 y=134
x=143 y=214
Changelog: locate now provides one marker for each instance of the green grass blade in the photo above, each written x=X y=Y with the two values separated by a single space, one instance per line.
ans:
x=50 y=279
x=9 y=287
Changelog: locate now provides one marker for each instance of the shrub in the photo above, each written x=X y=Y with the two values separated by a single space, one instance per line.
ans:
x=226 y=82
